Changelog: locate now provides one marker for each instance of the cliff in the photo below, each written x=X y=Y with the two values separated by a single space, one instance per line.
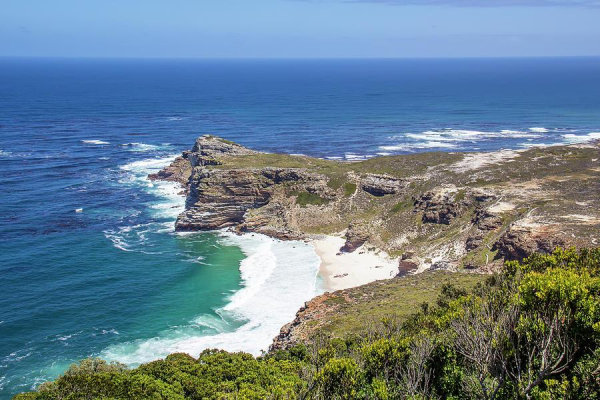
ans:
x=432 y=210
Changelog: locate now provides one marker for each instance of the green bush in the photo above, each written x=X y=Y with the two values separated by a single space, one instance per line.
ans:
x=305 y=198
x=349 y=189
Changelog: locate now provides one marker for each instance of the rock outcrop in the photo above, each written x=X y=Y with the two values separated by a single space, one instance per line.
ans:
x=521 y=240
x=179 y=171
x=408 y=264
x=357 y=234
x=380 y=185
x=442 y=207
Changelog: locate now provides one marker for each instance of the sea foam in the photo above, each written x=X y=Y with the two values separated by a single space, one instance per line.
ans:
x=95 y=141
x=277 y=278
x=572 y=138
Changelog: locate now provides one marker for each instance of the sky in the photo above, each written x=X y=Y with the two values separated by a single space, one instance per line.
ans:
x=299 y=28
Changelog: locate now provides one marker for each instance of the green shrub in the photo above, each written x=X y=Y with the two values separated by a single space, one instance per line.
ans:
x=305 y=198
x=349 y=189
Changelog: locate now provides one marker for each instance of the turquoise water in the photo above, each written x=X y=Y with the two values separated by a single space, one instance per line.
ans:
x=115 y=281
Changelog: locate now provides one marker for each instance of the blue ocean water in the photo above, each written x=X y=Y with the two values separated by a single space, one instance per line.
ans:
x=89 y=262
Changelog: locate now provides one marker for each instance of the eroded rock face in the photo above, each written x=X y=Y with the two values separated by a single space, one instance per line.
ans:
x=408 y=264
x=220 y=198
x=357 y=234
x=226 y=198
x=380 y=185
x=484 y=222
x=520 y=241
x=442 y=207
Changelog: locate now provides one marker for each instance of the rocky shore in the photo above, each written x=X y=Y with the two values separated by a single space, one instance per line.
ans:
x=432 y=210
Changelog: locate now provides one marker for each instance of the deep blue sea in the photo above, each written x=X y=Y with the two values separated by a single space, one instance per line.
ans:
x=89 y=262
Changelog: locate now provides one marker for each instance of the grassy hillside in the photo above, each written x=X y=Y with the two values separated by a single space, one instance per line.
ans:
x=349 y=312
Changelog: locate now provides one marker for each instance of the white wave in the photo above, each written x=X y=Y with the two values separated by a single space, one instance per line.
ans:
x=357 y=157
x=5 y=153
x=529 y=145
x=95 y=141
x=424 y=145
x=140 y=147
x=539 y=130
x=572 y=138
x=277 y=277
x=168 y=204
x=174 y=119
x=450 y=138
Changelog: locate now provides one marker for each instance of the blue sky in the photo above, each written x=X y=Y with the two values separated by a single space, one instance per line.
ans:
x=299 y=28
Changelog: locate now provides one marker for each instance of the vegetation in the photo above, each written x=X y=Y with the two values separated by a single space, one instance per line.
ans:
x=350 y=312
x=349 y=189
x=530 y=332
x=305 y=198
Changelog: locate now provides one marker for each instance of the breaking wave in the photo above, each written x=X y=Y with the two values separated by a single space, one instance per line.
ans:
x=277 y=278
x=462 y=139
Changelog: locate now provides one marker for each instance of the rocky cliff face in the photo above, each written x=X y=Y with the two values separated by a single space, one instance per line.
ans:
x=432 y=210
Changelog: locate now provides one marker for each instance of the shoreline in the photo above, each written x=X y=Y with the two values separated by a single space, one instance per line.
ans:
x=346 y=270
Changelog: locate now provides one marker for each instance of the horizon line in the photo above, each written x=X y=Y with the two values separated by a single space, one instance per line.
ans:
x=290 y=58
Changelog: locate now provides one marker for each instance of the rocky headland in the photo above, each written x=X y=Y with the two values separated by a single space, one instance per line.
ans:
x=431 y=210
x=461 y=212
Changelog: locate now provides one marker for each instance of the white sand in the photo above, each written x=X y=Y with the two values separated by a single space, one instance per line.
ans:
x=474 y=161
x=348 y=270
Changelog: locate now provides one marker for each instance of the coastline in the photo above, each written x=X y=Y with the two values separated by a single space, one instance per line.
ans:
x=347 y=270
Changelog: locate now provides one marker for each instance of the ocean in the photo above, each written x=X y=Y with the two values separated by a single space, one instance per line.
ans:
x=90 y=264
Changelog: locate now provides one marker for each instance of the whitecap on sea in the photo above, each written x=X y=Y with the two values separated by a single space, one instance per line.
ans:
x=451 y=138
x=141 y=147
x=572 y=138
x=95 y=142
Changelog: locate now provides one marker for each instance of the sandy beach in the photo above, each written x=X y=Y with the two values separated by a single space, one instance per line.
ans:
x=346 y=270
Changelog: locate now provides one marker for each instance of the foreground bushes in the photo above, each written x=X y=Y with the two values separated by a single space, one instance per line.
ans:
x=530 y=332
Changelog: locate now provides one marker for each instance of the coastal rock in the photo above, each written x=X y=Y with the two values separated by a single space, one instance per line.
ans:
x=484 y=222
x=180 y=171
x=439 y=213
x=356 y=235
x=247 y=199
x=208 y=150
x=380 y=185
